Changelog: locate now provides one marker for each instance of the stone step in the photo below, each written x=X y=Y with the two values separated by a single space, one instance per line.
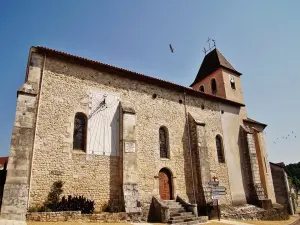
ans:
x=175 y=207
x=176 y=221
x=170 y=204
x=184 y=213
x=194 y=218
x=176 y=210
x=179 y=217
x=168 y=201
x=185 y=222
x=194 y=222
x=181 y=223
x=203 y=219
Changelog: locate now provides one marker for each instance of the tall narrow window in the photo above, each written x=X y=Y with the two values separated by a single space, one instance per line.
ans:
x=220 y=150
x=163 y=142
x=80 y=131
x=213 y=84
x=202 y=88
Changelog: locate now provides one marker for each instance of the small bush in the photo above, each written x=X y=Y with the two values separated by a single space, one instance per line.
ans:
x=77 y=203
x=70 y=203
x=54 y=196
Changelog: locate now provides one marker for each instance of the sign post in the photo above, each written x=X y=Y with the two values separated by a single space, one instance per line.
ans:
x=216 y=191
x=218 y=209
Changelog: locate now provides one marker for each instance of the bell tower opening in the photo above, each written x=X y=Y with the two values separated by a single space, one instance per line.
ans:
x=219 y=77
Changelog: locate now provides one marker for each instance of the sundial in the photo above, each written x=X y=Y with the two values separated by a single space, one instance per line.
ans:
x=103 y=123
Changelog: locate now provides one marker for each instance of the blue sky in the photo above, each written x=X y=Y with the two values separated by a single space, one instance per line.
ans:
x=259 y=38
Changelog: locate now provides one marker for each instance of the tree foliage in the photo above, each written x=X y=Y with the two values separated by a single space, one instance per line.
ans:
x=293 y=171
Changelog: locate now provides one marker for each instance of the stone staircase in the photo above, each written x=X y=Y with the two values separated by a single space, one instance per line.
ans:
x=178 y=214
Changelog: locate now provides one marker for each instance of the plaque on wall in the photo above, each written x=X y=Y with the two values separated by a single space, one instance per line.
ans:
x=129 y=146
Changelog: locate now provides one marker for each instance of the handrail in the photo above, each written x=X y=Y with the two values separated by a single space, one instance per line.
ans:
x=188 y=206
x=161 y=211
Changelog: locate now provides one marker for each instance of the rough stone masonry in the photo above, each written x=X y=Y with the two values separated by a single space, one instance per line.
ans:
x=120 y=161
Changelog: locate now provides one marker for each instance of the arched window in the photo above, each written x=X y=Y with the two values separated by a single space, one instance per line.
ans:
x=202 y=88
x=220 y=150
x=80 y=131
x=213 y=84
x=163 y=142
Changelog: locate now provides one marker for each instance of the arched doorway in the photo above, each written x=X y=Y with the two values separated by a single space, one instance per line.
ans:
x=165 y=184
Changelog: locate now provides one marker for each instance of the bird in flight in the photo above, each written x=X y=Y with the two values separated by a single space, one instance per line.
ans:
x=171 y=48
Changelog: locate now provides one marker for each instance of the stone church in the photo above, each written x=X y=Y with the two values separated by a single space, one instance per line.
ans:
x=123 y=138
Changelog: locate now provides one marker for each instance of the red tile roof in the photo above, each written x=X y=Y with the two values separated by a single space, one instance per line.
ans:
x=3 y=160
x=254 y=121
x=132 y=75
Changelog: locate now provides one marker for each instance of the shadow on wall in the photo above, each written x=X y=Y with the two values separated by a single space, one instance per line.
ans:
x=245 y=165
x=115 y=203
x=187 y=165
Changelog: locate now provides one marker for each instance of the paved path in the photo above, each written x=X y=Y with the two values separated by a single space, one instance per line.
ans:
x=228 y=222
x=12 y=222
x=297 y=222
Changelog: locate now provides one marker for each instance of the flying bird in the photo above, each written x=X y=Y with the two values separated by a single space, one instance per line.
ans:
x=171 y=48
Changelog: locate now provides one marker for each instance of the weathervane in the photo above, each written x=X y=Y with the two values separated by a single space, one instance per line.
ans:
x=210 y=45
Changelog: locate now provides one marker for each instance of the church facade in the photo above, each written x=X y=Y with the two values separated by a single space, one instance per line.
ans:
x=120 y=137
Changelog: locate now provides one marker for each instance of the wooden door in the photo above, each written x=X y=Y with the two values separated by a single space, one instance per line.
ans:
x=165 y=185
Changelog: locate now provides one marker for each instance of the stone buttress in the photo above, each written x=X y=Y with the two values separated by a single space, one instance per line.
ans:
x=258 y=191
x=129 y=162
x=200 y=161
x=16 y=189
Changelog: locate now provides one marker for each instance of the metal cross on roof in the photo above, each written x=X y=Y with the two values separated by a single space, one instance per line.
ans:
x=211 y=45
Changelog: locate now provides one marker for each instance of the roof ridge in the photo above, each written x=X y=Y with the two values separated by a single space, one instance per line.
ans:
x=138 y=76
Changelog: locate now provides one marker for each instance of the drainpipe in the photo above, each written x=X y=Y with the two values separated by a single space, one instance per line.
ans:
x=190 y=148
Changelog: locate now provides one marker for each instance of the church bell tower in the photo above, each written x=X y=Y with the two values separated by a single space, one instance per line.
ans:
x=217 y=76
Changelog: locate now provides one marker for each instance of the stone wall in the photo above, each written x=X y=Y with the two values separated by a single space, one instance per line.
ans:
x=282 y=192
x=15 y=196
x=65 y=91
x=250 y=212
x=74 y=216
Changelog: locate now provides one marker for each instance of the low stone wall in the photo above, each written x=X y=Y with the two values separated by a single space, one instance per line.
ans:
x=77 y=216
x=250 y=212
